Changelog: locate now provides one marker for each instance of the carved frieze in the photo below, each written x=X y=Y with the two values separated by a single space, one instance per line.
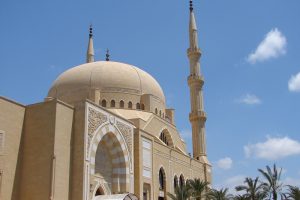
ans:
x=127 y=133
x=95 y=119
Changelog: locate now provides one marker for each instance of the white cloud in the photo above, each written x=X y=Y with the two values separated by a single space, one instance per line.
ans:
x=273 y=148
x=249 y=99
x=291 y=181
x=231 y=183
x=294 y=83
x=273 y=45
x=225 y=163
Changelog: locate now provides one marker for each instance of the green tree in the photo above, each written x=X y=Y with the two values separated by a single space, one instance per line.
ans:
x=240 y=197
x=253 y=188
x=181 y=193
x=198 y=188
x=221 y=194
x=273 y=186
x=293 y=193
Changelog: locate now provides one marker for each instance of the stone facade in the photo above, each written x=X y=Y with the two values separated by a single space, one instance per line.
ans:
x=103 y=129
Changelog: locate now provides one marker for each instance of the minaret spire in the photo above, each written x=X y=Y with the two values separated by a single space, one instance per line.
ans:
x=195 y=80
x=90 y=50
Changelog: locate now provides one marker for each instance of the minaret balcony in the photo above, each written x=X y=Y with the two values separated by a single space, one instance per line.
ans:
x=191 y=52
x=197 y=80
x=198 y=115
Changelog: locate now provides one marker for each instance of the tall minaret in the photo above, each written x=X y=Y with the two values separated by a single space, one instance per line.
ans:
x=196 y=81
x=90 y=50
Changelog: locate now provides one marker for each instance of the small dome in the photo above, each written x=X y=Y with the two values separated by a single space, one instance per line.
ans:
x=76 y=83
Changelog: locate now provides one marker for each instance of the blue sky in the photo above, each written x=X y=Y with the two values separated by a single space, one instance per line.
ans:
x=250 y=62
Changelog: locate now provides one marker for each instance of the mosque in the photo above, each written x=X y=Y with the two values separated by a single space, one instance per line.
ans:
x=103 y=132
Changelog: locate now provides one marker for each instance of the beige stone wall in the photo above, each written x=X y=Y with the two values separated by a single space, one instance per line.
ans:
x=156 y=125
x=11 y=124
x=62 y=151
x=46 y=151
x=77 y=161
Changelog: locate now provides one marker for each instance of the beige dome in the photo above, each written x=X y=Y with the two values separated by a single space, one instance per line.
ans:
x=105 y=76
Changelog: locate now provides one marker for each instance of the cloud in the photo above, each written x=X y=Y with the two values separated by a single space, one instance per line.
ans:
x=249 y=99
x=273 y=148
x=231 y=183
x=294 y=83
x=225 y=163
x=273 y=45
x=291 y=181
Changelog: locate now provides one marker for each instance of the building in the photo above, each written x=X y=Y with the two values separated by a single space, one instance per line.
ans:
x=103 y=129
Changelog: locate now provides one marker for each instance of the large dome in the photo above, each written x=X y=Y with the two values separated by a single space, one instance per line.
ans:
x=106 y=77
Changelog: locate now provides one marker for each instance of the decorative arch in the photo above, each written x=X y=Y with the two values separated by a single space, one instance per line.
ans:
x=181 y=180
x=175 y=183
x=121 y=104
x=110 y=144
x=138 y=106
x=162 y=182
x=103 y=103
x=130 y=105
x=166 y=137
x=112 y=103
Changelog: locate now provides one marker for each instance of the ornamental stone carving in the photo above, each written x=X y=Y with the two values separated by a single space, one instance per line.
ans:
x=127 y=133
x=95 y=119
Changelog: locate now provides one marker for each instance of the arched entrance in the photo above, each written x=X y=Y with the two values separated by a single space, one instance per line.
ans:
x=109 y=163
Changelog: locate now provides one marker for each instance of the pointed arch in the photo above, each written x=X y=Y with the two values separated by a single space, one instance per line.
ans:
x=166 y=137
x=109 y=146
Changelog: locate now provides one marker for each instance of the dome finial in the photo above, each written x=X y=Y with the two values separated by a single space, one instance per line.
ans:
x=107 y=55
x=90 y=49
x=191 y=5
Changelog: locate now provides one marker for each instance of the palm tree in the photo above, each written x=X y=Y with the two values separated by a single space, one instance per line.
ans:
x=293 y=193
x=272 y=184
x=198 y=188
x=181 y=193
x=221 y=194
x=240 y=197
x=254 y=190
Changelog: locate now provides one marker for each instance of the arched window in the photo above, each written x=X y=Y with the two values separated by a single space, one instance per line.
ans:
x=112 y=103
x=181 y=180
x=121 y=104
x=161 y=179
x=155 y=110
x=175 y=182
x=99 y=192
x=130 y=105
x=103 y=103
x=160 y=113
x=142 y=106
x=164 y=138
x=138 y=106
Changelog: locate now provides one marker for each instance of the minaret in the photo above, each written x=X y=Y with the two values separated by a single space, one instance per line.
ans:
x=90 y=50
x=195 y=80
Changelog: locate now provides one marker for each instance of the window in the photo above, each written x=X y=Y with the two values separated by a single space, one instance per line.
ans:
x=130 y=105
x=155 y=110
x=175 y=182
x=160 y=113
x=112 y=103
x=181 y=180
x=142 y=106
x=138 y=106
x=161 y=179
x=103 y=103
x=99 y=191
x=121 y=104
x=163 y=138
